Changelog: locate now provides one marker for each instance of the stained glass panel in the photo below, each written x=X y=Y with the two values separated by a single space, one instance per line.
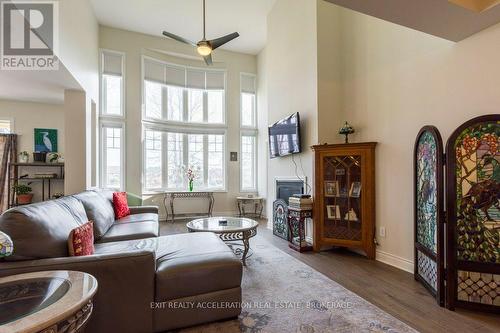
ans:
x=478 y=192
x=426 y=182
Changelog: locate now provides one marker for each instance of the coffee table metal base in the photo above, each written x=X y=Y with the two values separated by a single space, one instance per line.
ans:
x=232 y=236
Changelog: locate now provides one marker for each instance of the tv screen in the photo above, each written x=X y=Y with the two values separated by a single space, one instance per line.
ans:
x=284 y=136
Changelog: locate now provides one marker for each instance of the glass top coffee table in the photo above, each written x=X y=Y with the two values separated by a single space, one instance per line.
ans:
x=229 y=229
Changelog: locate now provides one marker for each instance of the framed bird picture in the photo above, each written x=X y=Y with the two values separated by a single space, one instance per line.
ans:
x=45 y=140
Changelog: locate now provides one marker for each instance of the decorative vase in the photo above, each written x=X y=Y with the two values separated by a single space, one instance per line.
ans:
x=191 y=185
x=24 y=199
x=6 y=245
x=23 y=159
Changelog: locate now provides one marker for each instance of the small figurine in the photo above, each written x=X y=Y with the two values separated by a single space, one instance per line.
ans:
x=351 y=215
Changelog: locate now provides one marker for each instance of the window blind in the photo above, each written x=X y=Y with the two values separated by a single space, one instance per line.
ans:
x=248 y=84
x=183 y=77
x=112 y=63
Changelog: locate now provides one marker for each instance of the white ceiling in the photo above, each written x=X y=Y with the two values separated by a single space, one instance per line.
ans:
x=36 y=86
x=184 y=18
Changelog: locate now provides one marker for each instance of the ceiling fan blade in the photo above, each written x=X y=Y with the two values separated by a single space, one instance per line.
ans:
x=223 y=40
x=208 y=60
x=178 y=38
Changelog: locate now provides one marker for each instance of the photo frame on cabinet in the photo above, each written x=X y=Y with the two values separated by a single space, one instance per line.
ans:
x=333 y=212
x=355 y=191
x=332 y=189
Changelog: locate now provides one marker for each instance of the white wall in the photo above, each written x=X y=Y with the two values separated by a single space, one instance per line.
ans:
x=79 y=43
x=27 y=116
x=288 y=67
x=396 y=80
x=134 y=45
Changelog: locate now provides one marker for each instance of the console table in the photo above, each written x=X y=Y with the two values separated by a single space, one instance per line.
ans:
x=257 y=202
x=171 y=196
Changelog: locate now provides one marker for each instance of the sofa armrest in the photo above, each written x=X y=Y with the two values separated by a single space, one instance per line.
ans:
x=143 y=209
x=125 y=286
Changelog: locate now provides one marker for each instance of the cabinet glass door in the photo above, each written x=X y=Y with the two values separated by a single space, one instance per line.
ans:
x=342 y=197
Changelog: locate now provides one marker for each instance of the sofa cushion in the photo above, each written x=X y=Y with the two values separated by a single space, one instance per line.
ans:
x=127 y=231
x=194 y=264
x=120 y=205
x=138 y=218
x=99 y=210
x=41 y=230
x=81 y=240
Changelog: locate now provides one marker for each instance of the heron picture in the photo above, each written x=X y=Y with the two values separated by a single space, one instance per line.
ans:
x=45 y=140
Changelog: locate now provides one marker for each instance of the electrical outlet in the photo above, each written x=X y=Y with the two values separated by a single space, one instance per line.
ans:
x=381 y=231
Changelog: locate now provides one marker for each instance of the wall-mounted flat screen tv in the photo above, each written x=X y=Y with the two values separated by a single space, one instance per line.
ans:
x=284 y=136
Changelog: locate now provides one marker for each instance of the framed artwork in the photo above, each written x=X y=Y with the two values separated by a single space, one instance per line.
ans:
x=45 y=140
x=333 y=212
x=332 y=189
x=355 y=191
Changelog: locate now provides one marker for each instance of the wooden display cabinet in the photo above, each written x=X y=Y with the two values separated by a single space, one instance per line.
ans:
x=344 y=203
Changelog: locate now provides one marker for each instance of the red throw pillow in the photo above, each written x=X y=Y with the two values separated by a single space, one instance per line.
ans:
x=120 y=204
x=81 y=240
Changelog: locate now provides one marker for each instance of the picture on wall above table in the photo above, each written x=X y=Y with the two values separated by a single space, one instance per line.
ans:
x=332 y=189
x=45 y=140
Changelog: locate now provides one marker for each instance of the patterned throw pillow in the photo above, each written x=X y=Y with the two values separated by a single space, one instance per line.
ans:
x=81 y=240
x=120 y=205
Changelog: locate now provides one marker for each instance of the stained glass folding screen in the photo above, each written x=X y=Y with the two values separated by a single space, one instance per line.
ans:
x=473 y=215
x=471 y=242
x=429 y=262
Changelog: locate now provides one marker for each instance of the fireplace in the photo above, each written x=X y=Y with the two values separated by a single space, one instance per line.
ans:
x=285 y=188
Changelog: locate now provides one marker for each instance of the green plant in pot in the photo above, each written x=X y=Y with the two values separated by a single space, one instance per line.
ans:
x=24 y=157
x=23 y=193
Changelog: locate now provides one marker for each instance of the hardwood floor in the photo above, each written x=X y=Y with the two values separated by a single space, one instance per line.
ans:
x=393 y=290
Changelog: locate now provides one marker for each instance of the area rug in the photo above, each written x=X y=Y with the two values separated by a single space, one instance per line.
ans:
x=282 y=294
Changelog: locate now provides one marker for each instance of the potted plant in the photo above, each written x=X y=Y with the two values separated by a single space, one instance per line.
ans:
x=53 y=157
x=23 y=193
x=24 y=157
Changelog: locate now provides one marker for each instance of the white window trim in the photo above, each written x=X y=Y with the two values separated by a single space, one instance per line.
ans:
x=249 y=131
x=123 y=115
x=185 y=106
x=123 y=152
x=255 y=134
x=12 y=123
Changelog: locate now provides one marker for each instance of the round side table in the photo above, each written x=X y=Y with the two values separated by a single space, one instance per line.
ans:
x=46 y=302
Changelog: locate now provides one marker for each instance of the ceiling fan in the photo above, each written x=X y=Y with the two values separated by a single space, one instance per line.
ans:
x=204 y=46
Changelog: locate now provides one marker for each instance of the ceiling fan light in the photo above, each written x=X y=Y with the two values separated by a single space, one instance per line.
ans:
x=204 y=49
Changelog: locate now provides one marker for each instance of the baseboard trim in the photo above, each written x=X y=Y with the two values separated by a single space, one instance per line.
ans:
x=396 y=261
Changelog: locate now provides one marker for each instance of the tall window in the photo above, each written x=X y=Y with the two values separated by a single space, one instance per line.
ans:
x=248 y=140
x=112 y=155
x=112 y=83
x=112 y=114
x=184 y=126
x=5 y=126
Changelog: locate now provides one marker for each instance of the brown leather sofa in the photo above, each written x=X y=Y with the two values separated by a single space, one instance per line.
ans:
x=146 y=283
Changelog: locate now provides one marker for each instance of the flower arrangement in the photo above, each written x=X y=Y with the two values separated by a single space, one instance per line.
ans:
x=191 y=175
